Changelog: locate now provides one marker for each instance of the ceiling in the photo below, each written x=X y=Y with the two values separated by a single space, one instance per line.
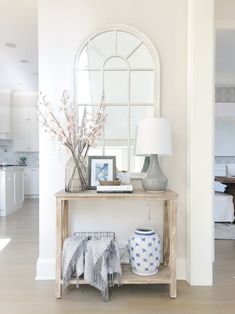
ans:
x=225 y=51
x=18 y=26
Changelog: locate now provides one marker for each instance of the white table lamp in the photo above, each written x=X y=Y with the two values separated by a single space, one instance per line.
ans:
x=153 y=139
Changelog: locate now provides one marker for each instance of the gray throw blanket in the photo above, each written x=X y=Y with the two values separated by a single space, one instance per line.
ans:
x=97 y=259
x=102 y=264
x=73 y=258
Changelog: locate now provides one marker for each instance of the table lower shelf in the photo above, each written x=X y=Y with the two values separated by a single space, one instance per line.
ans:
x=128 y=277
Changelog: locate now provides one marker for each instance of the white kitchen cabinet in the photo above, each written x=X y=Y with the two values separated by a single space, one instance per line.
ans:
x=5 y=115
x=26 y=125
x=31 y=182
x=19 y=183
x=11 y=190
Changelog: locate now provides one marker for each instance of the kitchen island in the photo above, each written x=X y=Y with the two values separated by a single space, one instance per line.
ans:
x=11 y=189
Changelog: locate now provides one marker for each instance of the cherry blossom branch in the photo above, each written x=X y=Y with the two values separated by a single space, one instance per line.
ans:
x=77 y=138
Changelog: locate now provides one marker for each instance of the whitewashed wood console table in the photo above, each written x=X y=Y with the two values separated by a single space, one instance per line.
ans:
x=167 y=272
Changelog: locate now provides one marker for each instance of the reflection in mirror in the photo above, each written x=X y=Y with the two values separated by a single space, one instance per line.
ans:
x=116 y=89
x=142 y=57
x=105 y=43
x=141 y=87
x=89 y=87
x=119 y=65
x=116 y=63
x=137 y=113
x=126 y=43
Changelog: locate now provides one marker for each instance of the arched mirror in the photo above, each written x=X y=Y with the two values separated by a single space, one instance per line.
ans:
x=122 y=65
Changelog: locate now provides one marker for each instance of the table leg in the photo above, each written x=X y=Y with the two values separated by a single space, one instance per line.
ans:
x=65 y=219
x=166 y=235
x=59 y=212
x=172 y=261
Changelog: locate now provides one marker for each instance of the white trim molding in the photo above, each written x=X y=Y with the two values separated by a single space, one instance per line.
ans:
x=45 y=269
x=200 y=141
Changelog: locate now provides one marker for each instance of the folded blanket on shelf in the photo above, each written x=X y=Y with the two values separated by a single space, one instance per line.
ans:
x=73 y=258
x=97 y=259
x=102 y=264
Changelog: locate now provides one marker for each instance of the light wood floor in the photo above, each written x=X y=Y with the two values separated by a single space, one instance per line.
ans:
x=21 y=294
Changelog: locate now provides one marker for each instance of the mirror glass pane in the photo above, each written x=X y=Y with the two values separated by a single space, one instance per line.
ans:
x=121 y=153
x=116 y=63
x=141 y=58
x=137 y=113
x=88 y=109
x=96 y=150
x=105 y=43
x=126 y=43
x=116 y=87
x=136 y=162
x=83 y=60
x=89 y=87
x=83 y=87
x=94 y=59
x=141 y=87
x=116 y=125
x=90 y=58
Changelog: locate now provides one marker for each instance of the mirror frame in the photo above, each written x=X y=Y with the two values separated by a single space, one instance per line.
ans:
x=150 y=47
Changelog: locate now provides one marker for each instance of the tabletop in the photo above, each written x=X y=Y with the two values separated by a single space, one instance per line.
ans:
x=137 y=194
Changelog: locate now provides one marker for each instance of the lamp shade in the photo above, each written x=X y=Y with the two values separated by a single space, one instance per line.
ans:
x=153 y=137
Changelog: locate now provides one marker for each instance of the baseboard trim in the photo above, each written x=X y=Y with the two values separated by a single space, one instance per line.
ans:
x=45 y=269
x=31 y=196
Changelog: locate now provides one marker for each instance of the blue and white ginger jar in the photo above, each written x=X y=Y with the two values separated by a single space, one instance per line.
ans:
x=145 y=252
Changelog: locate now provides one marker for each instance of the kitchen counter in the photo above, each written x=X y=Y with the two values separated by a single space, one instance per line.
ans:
x=12 y=168
x=11 y=189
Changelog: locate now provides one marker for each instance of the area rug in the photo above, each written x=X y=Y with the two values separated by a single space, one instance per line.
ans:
x=224 y=231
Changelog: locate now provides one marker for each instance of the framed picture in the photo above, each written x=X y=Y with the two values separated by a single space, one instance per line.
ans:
x=101 y=168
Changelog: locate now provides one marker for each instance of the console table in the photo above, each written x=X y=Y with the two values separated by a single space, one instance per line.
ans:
x=167 y=272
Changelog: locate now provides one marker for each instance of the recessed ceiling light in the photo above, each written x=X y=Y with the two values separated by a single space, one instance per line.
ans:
x=24 y=61
x=10 y=45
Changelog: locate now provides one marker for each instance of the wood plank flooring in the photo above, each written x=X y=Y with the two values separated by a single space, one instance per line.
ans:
x=21 y=294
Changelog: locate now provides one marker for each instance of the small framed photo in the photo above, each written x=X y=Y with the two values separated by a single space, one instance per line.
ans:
x=101 y=168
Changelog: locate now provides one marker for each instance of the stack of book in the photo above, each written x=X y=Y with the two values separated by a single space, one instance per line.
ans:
x=124 y=188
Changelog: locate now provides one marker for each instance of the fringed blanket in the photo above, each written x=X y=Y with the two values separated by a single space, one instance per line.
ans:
x=102 y=264
x=73 y=259
x=97 y=259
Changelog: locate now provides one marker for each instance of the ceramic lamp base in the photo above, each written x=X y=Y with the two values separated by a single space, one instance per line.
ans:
x=154 y=180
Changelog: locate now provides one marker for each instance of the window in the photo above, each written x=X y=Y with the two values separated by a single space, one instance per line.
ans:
x=123 y=66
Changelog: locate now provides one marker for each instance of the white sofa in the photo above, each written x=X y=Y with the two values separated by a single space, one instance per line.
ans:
x=223 y=207
x=223 y=203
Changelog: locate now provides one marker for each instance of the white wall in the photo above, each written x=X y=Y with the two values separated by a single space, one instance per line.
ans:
x=225 y=20
x=62 y=26
x=224 y=10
